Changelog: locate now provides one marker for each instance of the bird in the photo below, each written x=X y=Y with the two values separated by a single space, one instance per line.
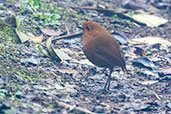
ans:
x=102 y=49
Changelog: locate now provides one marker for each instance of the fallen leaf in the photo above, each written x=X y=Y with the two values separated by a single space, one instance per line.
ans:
x=139 y=51
x=48 y=43
x=143 y=62
x=131 y=5
x=22 y=36
x=51 y=32
x=31 y=60
x=148 y=82
x=151 y=40
x=150 y=73
x=121 y=38
x=36 y=39
x=74 y=54
x=84 y=62
x=101 y=6
x=166 y=70
x=68 y=71
x=61 y=54
x=70 y=88
x=50 y=49
x=149 y=20
x=58 y=87
x=168 y=105
x=56 y=54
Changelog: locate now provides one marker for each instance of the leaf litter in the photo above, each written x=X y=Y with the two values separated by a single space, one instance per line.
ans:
x=57 y=86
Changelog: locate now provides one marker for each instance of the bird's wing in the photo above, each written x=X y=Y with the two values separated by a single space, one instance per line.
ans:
x=111 y=53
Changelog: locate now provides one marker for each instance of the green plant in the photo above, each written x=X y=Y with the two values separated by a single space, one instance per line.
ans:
x=12 y=1
x=35 y=3
x=24 y=76
x=115 y=17
x=44 y=14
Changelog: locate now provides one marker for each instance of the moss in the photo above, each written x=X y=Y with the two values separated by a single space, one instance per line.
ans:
x=7 y=34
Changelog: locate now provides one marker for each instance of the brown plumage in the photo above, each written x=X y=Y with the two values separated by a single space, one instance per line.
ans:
x=102 y=49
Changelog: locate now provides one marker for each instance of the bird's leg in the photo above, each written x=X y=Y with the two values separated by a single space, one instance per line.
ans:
x=107 y=85
x=109 y=79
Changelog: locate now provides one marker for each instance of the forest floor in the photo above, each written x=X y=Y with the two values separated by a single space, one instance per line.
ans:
x=31 y=81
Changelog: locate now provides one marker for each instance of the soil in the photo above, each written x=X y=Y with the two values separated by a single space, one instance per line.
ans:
x=31 y=82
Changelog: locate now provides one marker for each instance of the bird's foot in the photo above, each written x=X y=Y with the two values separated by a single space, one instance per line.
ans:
x=104 y=91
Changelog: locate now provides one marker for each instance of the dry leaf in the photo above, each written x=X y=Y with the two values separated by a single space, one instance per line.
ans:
x=166 y=70
x=68 y=71
x=84 y=62
x=148 y=82
x=57 y=54
x=149 y=20
x=36 y=39
x=50 y=50
x=51 y=32
x=61 y=54
x=143 y=62
x=151 y=40
x=22 y=36
x=48 y=43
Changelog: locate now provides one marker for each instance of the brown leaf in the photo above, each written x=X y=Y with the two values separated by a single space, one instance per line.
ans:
x=51 y=32
x=68 y=71
x=166 y=70
x=139 y=51
x=36 y=39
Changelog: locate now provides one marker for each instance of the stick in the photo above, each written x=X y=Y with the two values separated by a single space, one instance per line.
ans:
x=110 y=11
x=68 y=36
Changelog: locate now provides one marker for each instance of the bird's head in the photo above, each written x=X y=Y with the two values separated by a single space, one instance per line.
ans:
x=92 y=28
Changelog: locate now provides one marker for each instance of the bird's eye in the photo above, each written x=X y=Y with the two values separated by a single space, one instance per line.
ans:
x=88 y=28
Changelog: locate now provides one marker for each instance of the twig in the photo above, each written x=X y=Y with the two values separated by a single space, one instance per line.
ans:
x=68 y=36
x=85 y=76
x=70 y=107
x=67 y=29
x=153 y=92
x=110 y=11
x=156 y=95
